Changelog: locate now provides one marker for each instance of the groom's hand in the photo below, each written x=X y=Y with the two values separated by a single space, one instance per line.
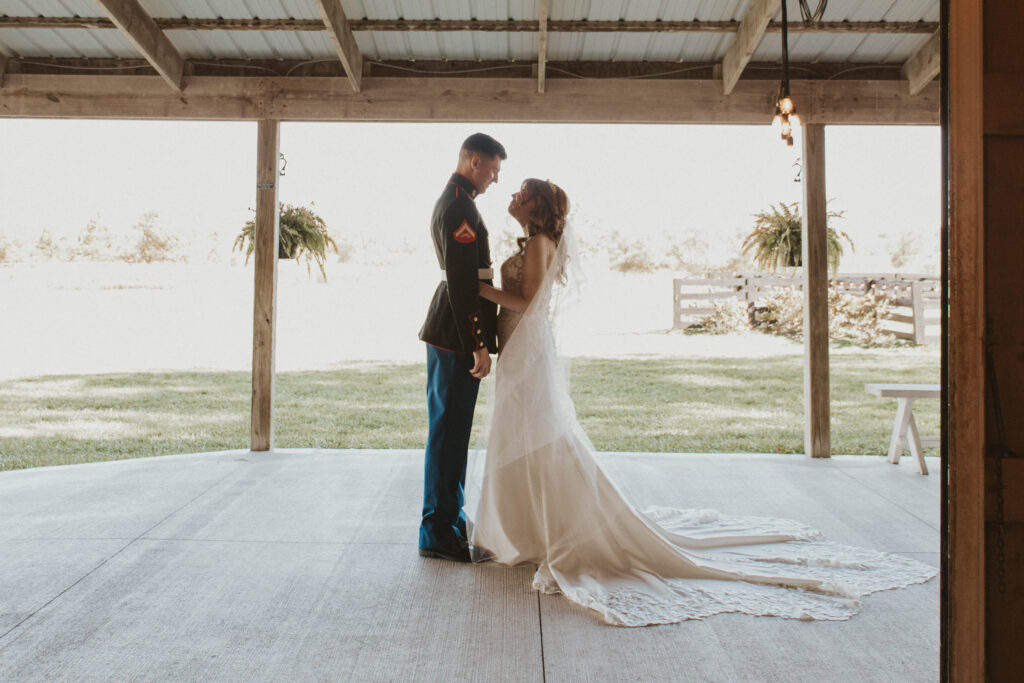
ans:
x=481 y=364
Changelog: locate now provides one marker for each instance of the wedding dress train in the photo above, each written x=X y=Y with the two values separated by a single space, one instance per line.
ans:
x=545 y=500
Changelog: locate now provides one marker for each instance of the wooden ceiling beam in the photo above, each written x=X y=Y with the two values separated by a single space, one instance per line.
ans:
x=748 y=37
x=502 y=26
x=542 y=46
x=568 y=100
x=148 y=39
x=344 y=42
x=924 y=66
x=459 y=69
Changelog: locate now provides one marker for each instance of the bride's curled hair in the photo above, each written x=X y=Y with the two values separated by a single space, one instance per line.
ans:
x=549 y=213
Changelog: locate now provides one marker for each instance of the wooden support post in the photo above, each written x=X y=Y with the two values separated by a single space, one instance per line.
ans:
x=542 y=46
x=817 y=436
x=966 y=568
x=265 y=239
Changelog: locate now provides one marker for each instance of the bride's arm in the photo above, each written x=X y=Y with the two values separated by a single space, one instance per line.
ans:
x=503 y=298
x=537 y=256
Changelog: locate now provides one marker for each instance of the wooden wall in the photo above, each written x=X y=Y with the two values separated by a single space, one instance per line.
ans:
x=1003 y=169
x=986 y=345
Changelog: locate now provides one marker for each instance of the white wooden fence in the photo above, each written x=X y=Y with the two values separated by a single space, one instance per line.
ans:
x=916 y=298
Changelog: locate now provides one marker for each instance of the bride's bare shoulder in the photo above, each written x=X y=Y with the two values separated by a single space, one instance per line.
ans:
x=539 y=249
x=541 y=243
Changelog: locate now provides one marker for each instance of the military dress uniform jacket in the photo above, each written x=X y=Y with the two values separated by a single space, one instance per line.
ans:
x=459 y=319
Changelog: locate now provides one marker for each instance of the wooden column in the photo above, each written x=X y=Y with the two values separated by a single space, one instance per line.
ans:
x=265 y=239
x=817 y=436
x=965 y=435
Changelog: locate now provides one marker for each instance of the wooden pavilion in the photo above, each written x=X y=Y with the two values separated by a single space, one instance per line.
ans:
x=630 y=61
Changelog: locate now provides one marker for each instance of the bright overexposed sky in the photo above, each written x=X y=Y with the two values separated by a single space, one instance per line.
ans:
x=378 y=182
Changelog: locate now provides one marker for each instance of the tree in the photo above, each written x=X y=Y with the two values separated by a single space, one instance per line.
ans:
x=776 y=238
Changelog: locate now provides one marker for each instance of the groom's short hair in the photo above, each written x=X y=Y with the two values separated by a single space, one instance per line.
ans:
x=484 y=144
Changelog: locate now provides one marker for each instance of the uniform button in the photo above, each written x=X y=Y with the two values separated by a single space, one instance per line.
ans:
x=479 y=332
x=474 y=318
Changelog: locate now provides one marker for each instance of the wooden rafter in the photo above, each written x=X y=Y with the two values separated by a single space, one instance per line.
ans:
x=748 y=37
x=501 y=26
x=924 y=66
x=542 y=46
x=148 y=39
x=461 y=99
x=752 y=30
x=344 y=42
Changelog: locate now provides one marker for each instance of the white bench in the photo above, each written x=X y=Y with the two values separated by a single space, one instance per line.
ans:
x=904 y=429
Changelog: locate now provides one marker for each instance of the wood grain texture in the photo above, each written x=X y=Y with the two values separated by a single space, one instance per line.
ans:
x=748 y=37
x=136 y=24
x=966 y=354
x=265 y=239
x=462 y=99
x=1003 y=286
x=344 y=42
x=817 y=431
x=542 y=46
x=924 y=66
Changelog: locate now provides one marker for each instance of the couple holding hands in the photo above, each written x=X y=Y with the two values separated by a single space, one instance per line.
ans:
x=544 y=498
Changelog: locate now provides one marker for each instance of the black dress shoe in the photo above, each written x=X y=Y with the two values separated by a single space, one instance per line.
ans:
x=456 y=552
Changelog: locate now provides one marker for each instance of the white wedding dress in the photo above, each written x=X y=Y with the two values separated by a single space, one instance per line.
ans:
x=544 y=500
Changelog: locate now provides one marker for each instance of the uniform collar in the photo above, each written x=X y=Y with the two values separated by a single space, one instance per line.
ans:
x=462 y=182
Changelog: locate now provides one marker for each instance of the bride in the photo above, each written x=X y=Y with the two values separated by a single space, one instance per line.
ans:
x=546 y=501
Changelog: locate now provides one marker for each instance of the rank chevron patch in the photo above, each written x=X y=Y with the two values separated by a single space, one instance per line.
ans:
x=464 y=234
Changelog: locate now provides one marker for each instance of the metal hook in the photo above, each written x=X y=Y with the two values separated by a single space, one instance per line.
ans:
x=284 y=163
x=799 y=170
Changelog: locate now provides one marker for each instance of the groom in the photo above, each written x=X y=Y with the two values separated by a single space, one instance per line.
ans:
x=460 y=336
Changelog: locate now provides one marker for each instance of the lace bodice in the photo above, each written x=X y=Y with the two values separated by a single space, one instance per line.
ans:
x=512 y=282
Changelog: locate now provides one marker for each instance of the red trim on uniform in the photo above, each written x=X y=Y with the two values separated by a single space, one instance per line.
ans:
x=444 y=349
x=472 y=328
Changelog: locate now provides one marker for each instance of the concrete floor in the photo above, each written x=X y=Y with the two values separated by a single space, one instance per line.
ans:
x=301 y=565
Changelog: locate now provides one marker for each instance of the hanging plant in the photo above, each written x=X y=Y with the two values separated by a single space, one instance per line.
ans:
x=776 y=239
x=303 y=236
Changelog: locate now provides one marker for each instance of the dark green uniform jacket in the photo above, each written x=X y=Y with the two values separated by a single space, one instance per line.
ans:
x=459 y=319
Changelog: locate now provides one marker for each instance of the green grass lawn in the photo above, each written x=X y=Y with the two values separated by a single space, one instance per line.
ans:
x=661 y=405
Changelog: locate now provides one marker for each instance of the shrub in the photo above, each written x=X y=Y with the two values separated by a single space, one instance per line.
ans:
x=851 y=318
x=96 y=243
x=730 y=315
x=154 y=243
x=859 y=318
x=782 y=313
x=10 y=250
x=629 y=255
x=47 y=247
